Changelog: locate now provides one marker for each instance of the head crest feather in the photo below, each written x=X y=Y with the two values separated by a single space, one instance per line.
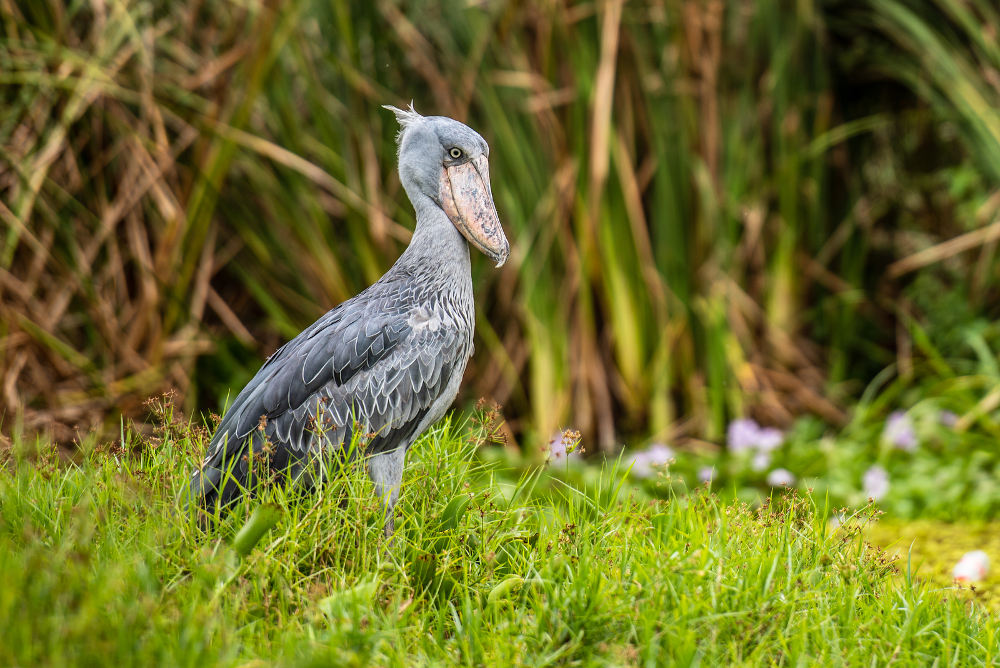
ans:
x=406 y=118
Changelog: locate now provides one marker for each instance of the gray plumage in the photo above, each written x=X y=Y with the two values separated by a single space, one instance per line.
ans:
x=388 y=361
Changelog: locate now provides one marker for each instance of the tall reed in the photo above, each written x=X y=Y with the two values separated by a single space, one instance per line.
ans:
x=185 y=185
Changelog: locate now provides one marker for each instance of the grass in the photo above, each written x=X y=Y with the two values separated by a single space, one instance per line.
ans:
x=99 y=564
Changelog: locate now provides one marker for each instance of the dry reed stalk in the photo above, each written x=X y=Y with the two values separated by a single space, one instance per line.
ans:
x=201 y=178
x=91 y=167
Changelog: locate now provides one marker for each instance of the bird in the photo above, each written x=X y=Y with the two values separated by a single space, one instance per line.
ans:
x=387 y=363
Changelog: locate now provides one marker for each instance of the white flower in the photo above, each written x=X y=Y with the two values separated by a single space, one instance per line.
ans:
x=875 y=482
x=972 y=567
x=706 y=474
x=780 y=478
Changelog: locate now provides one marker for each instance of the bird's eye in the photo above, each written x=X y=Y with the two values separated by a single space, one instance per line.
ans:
x=455 y=153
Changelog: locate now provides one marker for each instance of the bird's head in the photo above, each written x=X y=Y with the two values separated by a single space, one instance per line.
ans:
x=448 y=162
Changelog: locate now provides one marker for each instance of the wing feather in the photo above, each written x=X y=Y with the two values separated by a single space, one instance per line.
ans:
x=352 y=366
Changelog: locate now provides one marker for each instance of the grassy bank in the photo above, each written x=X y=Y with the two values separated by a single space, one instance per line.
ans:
x=99 y=564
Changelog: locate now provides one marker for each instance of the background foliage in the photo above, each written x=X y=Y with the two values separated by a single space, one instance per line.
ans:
x=717 y=207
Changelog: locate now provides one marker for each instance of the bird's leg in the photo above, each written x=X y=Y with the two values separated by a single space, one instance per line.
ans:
x=386 y=471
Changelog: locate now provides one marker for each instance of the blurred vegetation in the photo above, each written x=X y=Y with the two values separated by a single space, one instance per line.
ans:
x=717 y=208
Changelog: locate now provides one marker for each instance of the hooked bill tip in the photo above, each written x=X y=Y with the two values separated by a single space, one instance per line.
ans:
x=503 y=256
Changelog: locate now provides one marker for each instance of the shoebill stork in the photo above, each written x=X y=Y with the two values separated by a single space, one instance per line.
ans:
x=388 y=361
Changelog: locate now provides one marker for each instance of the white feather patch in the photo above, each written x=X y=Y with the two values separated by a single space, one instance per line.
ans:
x=406 y=117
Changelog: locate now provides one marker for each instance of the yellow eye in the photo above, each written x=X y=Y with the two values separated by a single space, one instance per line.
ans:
x=455 y=153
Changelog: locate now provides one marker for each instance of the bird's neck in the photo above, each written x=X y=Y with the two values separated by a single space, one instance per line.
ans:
x=437 y=246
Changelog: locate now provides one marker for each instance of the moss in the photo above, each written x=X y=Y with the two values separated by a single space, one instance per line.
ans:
x=933 y=549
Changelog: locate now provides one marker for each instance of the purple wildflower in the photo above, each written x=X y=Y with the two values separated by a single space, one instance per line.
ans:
x=948 y=418
x=706 y=474
x=742 y=435
x=875 y=482
x=900 y=432
x=645 y=462
x=769 y=439
x=660 y=453
x=760 y=461
x=746 y=435
x=780 y=478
